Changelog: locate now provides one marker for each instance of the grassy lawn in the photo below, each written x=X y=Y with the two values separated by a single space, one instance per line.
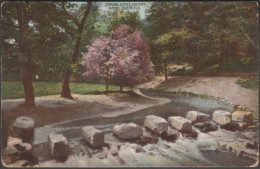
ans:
x=12 y=90
x=249 y=84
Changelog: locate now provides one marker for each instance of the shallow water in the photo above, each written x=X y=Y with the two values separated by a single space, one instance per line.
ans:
x=179 y=105
x=226 y=159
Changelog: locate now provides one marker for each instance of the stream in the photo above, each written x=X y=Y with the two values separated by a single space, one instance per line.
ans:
x=183 y=152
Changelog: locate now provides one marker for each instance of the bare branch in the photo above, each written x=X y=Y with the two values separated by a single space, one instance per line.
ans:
x=69 y=15
x=85 y=15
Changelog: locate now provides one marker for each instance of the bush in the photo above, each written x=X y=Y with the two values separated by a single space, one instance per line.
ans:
x=249 y=84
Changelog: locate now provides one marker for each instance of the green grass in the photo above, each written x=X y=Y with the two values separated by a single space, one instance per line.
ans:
x=249 y=84
x=12 y=90
x=157 y=93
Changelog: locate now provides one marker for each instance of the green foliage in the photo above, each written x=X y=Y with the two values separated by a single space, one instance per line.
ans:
x=113 y=19
x=210 y=70
x=51 y=38
x=204 y=33
x=249 y=83
x=160 y=93
x=44 y=47
x=200 y=33
x=12 y=90
x=181 y=72
x=240 y=65
x=171 y=44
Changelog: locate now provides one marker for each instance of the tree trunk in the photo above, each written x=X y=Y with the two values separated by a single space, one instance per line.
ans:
x=23 y=24
x=5 y=128
x=65 y=86
x=28 y=87
x=195 y=69
x=121 y=88
x=220 y=66
x=165 y=71
x=221 y=53
x=65 y=92
x=107 y=85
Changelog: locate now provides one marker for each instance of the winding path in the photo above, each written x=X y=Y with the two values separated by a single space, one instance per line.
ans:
x=222 y=87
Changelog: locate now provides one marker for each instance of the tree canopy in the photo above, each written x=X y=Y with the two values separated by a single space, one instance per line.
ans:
x=122 y=58
x=51 y=38
x=203 y=33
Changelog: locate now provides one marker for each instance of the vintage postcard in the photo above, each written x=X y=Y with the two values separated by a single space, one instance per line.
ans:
x=129 y=84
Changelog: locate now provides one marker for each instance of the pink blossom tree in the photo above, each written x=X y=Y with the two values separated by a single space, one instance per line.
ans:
x=121 y=59
x=97 y=60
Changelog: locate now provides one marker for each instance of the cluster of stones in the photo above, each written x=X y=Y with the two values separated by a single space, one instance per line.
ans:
x=238 y=120
x=23 y=130
x=18 y=143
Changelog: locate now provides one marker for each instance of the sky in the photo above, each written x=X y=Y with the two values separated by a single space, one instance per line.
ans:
x=140 y=7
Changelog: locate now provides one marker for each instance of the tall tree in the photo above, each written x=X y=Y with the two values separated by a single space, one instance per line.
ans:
x=163 y=16
x=171 y=45
x=79 y=24
x=110 y=20
x=219 y=33
x=24 y=29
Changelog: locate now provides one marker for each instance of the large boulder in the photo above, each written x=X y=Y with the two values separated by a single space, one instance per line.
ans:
x=242 y=116
x=156 y=124
x=23 y=128
x=59 y=146
x=222 y=117
x=180 y=123
x=195 y=116
x=127 y=131
x=93 y=136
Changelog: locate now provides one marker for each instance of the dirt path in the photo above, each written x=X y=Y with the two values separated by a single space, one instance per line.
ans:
x=54 y=109
x=223 y=87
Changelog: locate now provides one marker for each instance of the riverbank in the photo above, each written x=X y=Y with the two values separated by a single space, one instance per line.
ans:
x=116 y=108
x=224 y=88
x=54 y=109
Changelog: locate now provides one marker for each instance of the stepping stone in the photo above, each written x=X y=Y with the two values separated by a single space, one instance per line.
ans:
x=252 y=144
x=222 y=117
x=128 y=131
x=244 y=152
x=242 y=125
x=242 y=116
x=15 y=145
x=232 y=126
x=206 y=126
x=180 y=123
x=195 y=116
x=23 y=128
x=156 y=124
x=93 y=136
x=59 y=146
x=170 y=135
